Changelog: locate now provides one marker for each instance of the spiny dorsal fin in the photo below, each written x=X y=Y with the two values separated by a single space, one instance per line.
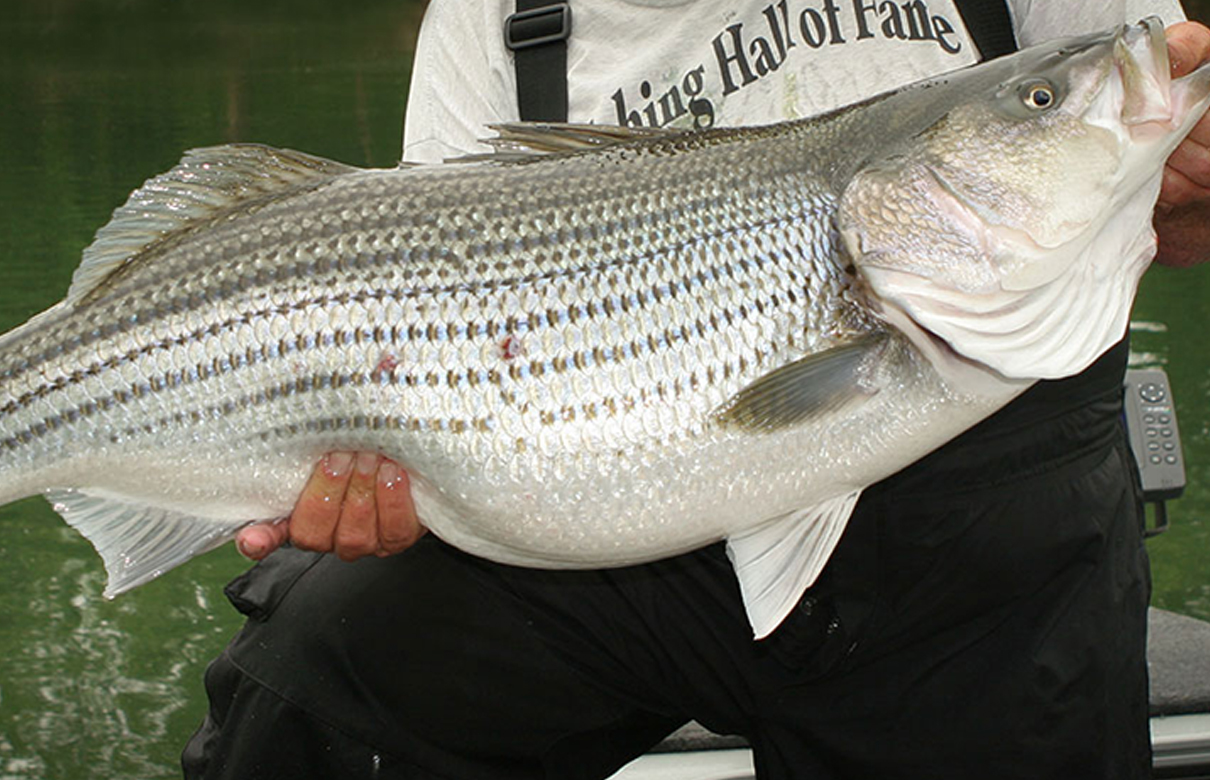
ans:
x=797 y=391
x=207 y=182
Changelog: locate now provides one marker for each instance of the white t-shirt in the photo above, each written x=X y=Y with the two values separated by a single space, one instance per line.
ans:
x=703 y=63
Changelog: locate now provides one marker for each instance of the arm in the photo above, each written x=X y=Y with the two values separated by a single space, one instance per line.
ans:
x=1182 y=217
x=462 y=80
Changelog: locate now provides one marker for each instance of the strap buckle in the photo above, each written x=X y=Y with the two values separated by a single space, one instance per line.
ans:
x=538 y=26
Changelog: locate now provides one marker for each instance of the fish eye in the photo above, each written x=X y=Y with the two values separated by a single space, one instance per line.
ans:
x=1039 y=95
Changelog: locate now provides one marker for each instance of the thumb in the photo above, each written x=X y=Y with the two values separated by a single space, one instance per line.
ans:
x=1188 y=47
x=256 y=541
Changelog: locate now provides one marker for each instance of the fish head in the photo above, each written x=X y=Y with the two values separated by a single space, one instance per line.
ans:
x=1012 y=224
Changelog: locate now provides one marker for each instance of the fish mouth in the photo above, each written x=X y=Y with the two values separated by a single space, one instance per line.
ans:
x=1153 y=103
x=1142 y=67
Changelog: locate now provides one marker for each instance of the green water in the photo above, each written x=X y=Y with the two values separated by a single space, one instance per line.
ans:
x=97 y=96
x=94 y=98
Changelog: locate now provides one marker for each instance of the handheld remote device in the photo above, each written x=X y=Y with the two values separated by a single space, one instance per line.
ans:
x=1155 y=439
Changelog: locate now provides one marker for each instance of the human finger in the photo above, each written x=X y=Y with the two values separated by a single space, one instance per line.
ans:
x=1186 y=176
x=1187 y=173
x=1188 y=47
x=357 y=530
x=313 y=522
x=1179 y=190
x=398 y=526
x=256 y=541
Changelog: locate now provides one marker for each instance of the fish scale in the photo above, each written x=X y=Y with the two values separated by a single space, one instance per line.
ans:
x=625 y=348
x=325 y=315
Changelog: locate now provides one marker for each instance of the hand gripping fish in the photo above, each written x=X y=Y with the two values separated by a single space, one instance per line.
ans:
x=600 y=347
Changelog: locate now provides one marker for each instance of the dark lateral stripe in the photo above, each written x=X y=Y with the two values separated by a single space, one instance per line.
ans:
x=373 y=422
x=598 y=355
x=645 y=298
x=187 y=303
x=302 y=386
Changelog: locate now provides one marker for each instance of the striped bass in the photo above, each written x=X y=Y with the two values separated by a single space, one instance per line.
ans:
x=600 y=347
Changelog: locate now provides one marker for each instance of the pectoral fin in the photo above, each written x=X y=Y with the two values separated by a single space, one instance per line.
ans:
x=812 y=385
x=777 y=561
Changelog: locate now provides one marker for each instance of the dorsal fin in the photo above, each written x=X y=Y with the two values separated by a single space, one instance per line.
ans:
x=206 y=183
x=554 y=137
x=519 y=141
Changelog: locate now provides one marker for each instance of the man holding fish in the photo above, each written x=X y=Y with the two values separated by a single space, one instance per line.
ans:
x=983 y=614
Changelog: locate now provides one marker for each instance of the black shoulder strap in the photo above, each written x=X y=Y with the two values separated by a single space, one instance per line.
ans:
x=990 y=25
x=537 y=36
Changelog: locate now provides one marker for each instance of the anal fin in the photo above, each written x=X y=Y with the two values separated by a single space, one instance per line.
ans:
x=136 y=542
